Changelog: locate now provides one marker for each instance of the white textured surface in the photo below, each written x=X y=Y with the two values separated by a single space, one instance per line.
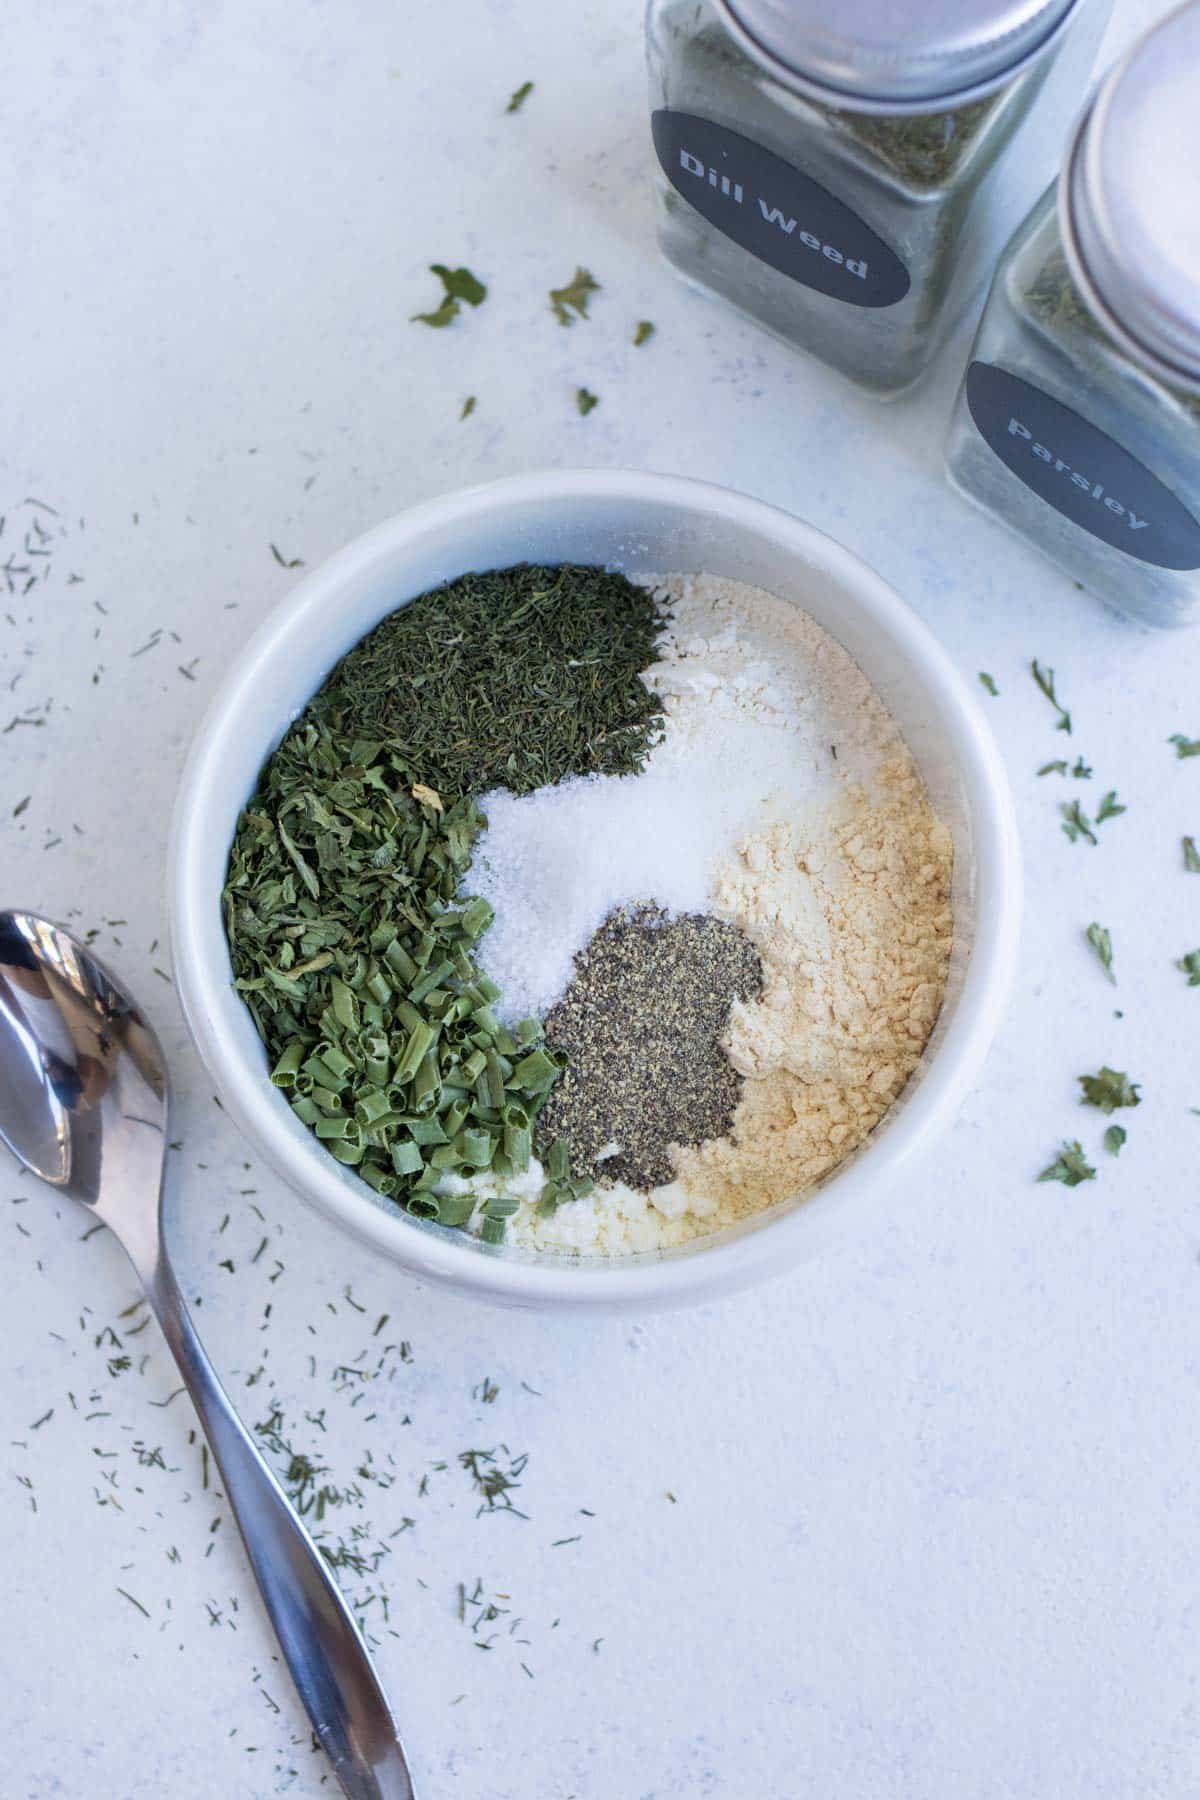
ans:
x=933 y=1528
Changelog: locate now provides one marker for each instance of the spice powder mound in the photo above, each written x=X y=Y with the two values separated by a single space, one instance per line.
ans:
x=850 y=912
x=642 y=1023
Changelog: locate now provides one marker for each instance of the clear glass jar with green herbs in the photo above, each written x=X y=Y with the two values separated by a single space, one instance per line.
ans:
x=852 y=211
x=1078 y=421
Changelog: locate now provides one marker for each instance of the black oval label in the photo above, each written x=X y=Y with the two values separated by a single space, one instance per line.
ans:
x=775 y=212
x=1080 y=471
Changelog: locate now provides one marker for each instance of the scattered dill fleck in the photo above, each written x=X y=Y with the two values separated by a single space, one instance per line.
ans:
x=585 y=401
x=486 y=1392
x=559 y=1542
x=286 y=562
x=1184 y=746
x=1100 y=938
x=1191 y=856
x=21 y=805
x=989 y=683
x=1070 y=1166
x=518 y=97
x=1109 y=807
x=492 y=1481
x=1190 y=964
x=133 y=1602
x=1045 y=681
x=468 y=407
x=571 y=302
x=1114 y=1137
x=1081 y=770
x=645 y=330
x=1054 y=768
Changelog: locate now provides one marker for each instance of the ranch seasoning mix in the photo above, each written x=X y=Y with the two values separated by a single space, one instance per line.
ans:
x=847 y=176
x=589 y=914
x=1079 y=418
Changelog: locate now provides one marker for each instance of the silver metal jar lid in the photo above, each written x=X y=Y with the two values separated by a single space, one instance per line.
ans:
x=1129 y=202
x=897 y=56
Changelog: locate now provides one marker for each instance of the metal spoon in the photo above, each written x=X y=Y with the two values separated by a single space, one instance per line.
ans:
x=83 y=1104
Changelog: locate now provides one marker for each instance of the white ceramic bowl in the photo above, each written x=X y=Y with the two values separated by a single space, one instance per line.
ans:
x=635 y=522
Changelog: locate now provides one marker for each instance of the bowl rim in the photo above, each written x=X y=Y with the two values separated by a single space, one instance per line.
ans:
x=691 y=1272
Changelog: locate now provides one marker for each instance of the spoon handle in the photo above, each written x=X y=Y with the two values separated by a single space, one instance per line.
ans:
x=316 y=1632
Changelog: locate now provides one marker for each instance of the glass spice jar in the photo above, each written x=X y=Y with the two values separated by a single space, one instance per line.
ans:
x=837 y=173
x=1078 y=421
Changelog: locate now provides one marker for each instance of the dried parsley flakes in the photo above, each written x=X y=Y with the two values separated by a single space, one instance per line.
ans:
x=1109 y=1089
x=1070 y=1166
x=355 y=955
x=458 y=285
x=1045 y=681
x=1100 y=938
x=570 y=302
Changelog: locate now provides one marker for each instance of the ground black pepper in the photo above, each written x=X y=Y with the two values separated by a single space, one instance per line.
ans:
x=642 y=1024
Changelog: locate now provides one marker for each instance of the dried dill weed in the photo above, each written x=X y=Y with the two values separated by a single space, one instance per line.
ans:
x=641 y=1026
x=511 y=678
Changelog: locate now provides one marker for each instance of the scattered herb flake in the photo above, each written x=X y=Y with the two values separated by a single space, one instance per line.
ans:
x=19 y=808
x=1045 y=681
x=468 y=407
x=1190 y=964
x=1081 y=771
x=1109 y=1089
x=573 y=298
x=518 y=97
x=1054 y=768
x=643 y=332
x=286 y=562
x=1100 y=938
x=989 y=683
x=459 y=285
x=1114 y=1137
x=1184 y=746
x=1191 y=856
x=585 y=401
x=1109 y=807
x=1070 y=1166
x=1076 y=823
